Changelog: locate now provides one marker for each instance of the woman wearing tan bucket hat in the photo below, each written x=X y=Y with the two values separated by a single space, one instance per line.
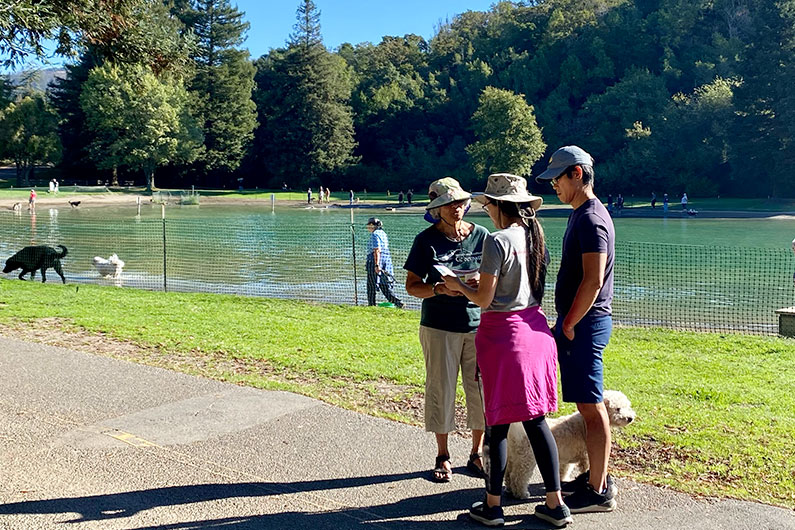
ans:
x=448 y=320
x=516 y=351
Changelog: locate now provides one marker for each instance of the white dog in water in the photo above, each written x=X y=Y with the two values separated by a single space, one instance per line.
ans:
x=569 y=433
x=109 y=267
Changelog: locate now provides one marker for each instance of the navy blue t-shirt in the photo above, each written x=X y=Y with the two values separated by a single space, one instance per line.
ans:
x=590 y=229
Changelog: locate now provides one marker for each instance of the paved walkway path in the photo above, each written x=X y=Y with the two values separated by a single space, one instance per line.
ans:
x=98 y=443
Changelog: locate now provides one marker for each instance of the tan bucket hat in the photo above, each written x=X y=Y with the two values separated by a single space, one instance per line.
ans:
x=444 y=191
x=507 y=187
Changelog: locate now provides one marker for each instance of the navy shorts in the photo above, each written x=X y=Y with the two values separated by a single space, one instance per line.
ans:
x=581 y=367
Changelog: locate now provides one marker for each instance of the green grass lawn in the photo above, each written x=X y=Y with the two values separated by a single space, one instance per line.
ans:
x=716 y=413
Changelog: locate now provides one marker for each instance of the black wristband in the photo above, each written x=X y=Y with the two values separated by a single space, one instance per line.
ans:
x=434 y=289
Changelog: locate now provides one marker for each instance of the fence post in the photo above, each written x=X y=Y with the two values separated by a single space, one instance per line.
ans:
x=353 y=247
x=163 y=216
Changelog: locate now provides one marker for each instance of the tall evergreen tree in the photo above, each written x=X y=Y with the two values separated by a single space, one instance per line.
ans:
x=65 y=97
x=303 y=99
x=6 y=91
x=222 y=84
x=767 y=122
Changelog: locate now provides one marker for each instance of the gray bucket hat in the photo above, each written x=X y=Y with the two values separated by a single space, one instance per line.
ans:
x=570 y=155
x=507 y=187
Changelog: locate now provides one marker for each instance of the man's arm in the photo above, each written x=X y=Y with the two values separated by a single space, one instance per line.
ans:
x=593 y=274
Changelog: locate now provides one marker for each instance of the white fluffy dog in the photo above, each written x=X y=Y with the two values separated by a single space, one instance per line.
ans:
x=109 y=267
x=569 y=433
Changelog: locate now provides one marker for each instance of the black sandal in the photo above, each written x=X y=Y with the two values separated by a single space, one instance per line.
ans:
x=439 y=473
x=473 y=467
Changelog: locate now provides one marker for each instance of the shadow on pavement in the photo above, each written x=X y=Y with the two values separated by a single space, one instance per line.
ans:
x=391 y=515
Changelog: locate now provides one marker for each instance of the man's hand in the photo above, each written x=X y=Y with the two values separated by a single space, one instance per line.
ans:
x=568 y=331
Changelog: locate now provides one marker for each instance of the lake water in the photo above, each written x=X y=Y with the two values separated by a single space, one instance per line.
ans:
x=683 y=272
x=676 y=229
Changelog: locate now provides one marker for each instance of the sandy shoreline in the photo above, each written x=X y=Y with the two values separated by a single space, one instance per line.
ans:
x=107 y=200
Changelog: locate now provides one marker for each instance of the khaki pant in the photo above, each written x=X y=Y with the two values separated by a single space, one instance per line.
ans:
x=445 y=352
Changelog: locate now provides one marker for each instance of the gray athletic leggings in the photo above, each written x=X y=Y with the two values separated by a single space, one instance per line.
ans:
x=544 y=449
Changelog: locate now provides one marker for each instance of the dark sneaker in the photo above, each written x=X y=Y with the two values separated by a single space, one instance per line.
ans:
x=567 y=488
x=490 y=516
x=560 y=516
x=588 y=500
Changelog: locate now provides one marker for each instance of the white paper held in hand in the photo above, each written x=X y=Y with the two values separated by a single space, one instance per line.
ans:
x=444 y=271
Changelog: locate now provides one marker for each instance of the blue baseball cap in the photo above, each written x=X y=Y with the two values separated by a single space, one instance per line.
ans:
x=570 y=155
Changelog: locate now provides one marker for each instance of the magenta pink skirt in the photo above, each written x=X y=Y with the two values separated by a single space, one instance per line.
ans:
x=517 y=359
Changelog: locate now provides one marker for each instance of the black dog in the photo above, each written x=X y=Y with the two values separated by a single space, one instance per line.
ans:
x=29 y=259
x=74 y=204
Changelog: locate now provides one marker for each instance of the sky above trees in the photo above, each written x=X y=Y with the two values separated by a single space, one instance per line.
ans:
x=352 y=21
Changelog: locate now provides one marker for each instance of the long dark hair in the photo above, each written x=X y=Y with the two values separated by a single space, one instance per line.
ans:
x=536 y=248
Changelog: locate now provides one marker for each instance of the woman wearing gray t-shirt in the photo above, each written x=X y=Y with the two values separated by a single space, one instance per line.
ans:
x=516 y=351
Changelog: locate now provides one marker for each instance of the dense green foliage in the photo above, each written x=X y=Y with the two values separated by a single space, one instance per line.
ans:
x=25 y=24
x=27 y=135
x=154 y=39
x=508 y=138
x=715 y=412
x=137 y=119
x=667 y=95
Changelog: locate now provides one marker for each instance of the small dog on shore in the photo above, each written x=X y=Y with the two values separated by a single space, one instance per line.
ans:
x=17 y=207
x=109 y=267
x=569 y=433
x=41 y=257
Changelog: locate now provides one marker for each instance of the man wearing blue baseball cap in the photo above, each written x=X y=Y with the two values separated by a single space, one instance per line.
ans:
x=583 y=299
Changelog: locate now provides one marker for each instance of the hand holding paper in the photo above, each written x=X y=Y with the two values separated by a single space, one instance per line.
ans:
x=444 y=271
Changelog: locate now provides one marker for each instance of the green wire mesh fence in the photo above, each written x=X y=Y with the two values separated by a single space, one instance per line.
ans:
x=702 y=288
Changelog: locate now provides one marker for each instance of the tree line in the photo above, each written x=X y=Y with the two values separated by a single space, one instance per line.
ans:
x=667 y=95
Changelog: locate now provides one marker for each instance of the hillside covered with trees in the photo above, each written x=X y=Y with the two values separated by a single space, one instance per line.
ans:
x=668 y=95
